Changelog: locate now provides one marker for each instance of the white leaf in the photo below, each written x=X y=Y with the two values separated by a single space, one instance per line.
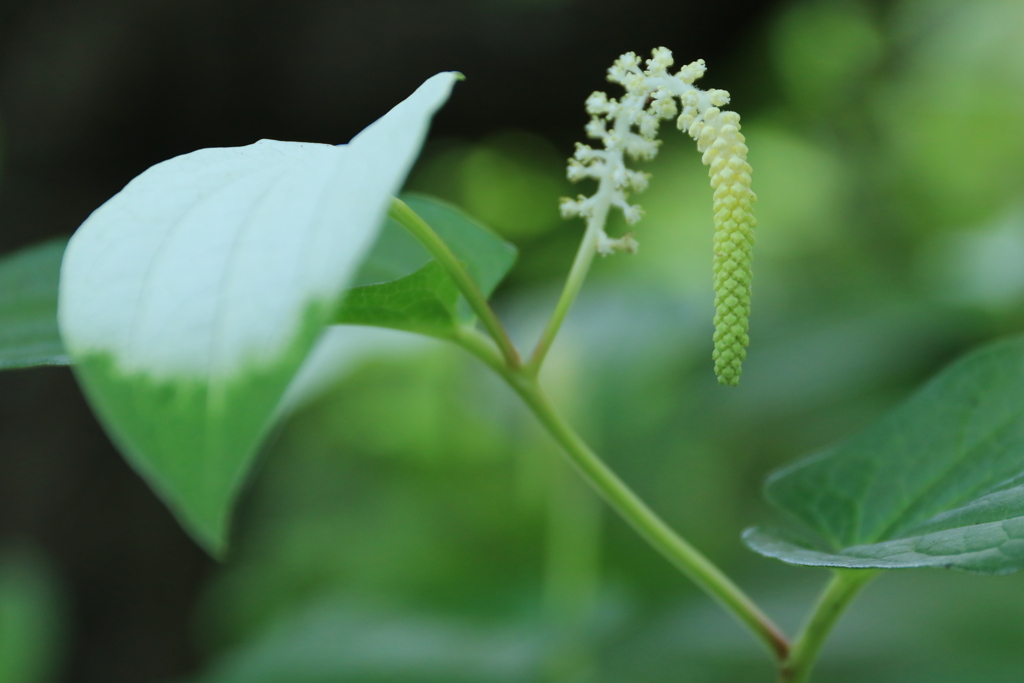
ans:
x=190 y=299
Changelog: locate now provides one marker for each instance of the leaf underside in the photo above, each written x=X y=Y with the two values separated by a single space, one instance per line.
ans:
x=938 y=482
x=28 y=307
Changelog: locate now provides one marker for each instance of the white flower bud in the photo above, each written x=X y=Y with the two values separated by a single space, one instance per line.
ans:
x=597 y=129
x=597 y=103
x=692 y=72
x=718 y=98
x=569 y=208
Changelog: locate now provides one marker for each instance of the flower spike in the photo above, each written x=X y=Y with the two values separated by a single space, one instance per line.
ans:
x=629 y=127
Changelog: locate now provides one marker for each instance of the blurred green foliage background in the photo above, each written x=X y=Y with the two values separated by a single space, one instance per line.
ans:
x=412 y=524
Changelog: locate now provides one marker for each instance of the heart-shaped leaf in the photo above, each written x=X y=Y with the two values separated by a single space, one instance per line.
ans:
x=938 y=482
x=28 y=307
x=190 y=299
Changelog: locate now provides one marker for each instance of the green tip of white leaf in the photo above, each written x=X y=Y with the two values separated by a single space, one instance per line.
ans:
x=190 y=299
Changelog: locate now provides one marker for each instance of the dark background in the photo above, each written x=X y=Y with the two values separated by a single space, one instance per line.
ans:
x=92 y=93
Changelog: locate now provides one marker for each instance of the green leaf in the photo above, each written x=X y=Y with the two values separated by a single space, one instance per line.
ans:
x=423 y=302
x=403 y=288
x=191 y=298
x=938 y=482
x=28 y=307
x=487 y=257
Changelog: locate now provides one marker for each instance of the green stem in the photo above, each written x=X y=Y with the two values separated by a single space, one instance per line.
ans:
x=628 y=505
x=411 y=221
x=843 y=587
x=523 y=379
x=574 y=282
x=571 y=573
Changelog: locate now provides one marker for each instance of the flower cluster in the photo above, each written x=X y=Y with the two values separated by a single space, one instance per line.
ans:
x=726 y=155
x=629 y=127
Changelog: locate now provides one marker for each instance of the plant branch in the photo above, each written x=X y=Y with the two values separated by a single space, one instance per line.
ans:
x=412 y=222
x=843 y=587
x=628 y=505
x=501 y=357
x=574 y=282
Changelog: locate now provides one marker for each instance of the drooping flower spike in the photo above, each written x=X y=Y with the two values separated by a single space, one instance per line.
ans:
x=629 y=127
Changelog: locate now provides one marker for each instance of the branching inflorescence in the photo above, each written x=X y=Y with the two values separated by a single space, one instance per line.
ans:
x=629 y=126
